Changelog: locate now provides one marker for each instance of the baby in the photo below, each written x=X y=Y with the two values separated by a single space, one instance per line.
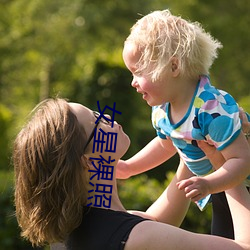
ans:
x=170 y=59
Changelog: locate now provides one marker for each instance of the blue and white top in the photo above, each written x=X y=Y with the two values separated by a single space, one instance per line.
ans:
x=213 y=115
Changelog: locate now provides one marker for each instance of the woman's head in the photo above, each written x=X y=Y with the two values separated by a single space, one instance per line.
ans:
x=161 y=36
x=50 y=179
x=51 y=172
x=87 y=118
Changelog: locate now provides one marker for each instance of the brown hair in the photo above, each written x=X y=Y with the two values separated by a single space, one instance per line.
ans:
x=50 y=181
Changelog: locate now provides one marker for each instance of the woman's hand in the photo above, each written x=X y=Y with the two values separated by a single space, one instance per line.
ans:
x=245 y=124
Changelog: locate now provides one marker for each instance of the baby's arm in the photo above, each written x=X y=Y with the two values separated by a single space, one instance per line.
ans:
x=234 y=171
x=153 y=154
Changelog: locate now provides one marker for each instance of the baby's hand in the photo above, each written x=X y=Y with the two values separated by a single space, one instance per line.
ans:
x=195 y=187
x=122 y=171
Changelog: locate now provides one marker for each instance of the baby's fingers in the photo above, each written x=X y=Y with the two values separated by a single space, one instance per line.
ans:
x=194 y=195
x=184 y=183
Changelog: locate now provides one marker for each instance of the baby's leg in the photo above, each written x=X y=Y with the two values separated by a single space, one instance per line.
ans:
x=171 y=207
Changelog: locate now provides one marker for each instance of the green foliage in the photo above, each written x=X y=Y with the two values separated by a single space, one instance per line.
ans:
x=9 y=231
x=197 y=221
x=5 y=123
x=139 y=192
x=73 y=48
x=245 y=103
x=228 y=22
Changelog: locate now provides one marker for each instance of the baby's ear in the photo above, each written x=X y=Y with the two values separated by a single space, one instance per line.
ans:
x=175 y=66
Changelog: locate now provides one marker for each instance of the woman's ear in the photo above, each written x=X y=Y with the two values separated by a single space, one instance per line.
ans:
x=175 y=66
x=87 y=162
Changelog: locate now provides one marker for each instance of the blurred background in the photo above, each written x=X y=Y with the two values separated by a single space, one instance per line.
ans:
x=72 y=48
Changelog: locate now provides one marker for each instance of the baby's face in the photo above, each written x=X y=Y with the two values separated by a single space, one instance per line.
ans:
x=154 y=93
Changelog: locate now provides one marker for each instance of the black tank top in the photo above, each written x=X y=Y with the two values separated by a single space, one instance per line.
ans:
x=102 y=229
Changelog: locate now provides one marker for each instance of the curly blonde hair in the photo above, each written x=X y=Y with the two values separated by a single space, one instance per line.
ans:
x=50 y=181
x=160 y=36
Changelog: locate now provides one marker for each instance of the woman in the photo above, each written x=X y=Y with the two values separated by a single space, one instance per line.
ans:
x=54 y=178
